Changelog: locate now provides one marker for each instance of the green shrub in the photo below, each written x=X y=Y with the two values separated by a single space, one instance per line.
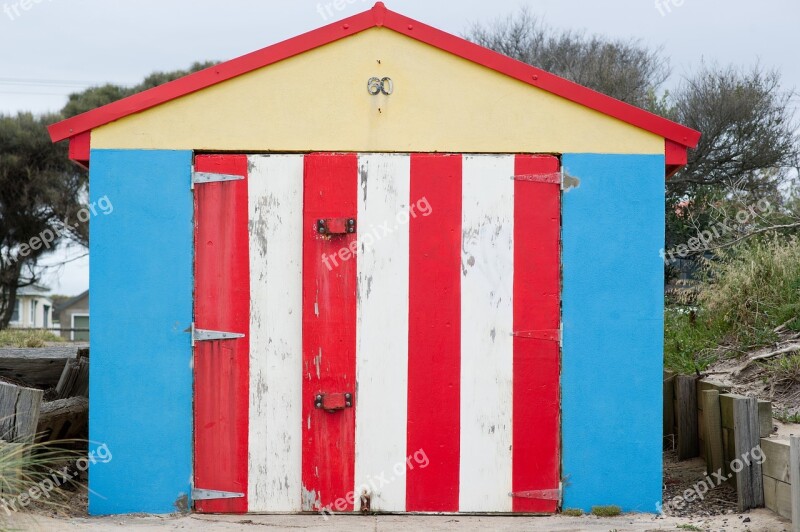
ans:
x=755 y=288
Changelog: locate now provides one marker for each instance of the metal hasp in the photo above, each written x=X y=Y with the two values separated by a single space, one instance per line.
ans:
x=336 y=226
x=210 y=495
x=331 y=402
x=551 y=335
x=202 y=335
x=208 y=177
x=553 y=178
x=541 y=495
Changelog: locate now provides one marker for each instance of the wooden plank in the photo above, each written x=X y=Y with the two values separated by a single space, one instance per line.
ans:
x=749 y=481
x=783 y=499
x=74 y=379
x=275 y=198
x=686 y=414
x=434 y=333
x=537 y=286
x=726 y=408
x=222 y=303
x=765 y=418
x=487 y=345
x=329 y=331
x=40 y=367
x=63 y=419
x=715 y=456
x=794 y=463
x=776 y=464
x=382 y=328
x=19 y=412
x=669 y=404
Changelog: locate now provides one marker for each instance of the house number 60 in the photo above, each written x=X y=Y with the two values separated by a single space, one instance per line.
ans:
x=377 y=86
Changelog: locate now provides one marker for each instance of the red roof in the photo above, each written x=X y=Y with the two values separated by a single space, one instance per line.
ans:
x=679 y=138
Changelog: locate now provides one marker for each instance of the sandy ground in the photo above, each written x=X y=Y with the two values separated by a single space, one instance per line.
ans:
x=758 y=521
x=717 y=512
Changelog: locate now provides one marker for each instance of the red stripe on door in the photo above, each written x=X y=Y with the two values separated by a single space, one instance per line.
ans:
x=434 y=335
x=537 y=310
x=222 y=303
x=329 y=331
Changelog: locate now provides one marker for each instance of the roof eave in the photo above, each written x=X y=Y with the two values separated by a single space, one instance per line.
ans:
x=678 y=137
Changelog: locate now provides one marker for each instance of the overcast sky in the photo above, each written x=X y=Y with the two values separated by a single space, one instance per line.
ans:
x=58 y=46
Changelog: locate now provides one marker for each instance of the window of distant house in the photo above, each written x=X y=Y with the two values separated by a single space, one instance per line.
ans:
x=34 y=305
x=15 y=315
x=46 y=317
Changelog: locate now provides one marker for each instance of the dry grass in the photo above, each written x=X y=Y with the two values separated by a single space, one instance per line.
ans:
x=15 y=338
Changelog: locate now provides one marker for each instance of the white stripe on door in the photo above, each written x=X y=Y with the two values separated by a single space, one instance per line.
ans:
x=276 y=347
x=487 y=268
x=382 y=330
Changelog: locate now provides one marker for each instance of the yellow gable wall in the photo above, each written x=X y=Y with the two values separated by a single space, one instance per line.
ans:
x=318 y=101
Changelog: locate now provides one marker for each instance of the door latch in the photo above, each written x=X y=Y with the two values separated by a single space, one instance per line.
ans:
x=331 y=402
x=336 y=226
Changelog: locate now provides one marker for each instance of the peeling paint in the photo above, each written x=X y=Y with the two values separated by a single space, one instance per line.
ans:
x=311 y=501
x=182 y=504
x=570 y=182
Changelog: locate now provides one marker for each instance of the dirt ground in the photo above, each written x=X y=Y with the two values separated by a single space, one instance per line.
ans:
x=757 y=521
x=716 y=512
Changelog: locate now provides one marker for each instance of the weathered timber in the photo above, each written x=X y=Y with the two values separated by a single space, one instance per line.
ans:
x=686 y=416
x=74 y=379
x=63 y=419
x=749 y=480
x=40 y=366
x=715 y=457
x=794 y=467
x=19 y=412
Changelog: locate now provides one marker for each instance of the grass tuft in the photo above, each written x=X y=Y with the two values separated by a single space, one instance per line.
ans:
x=15 y=338
x=572 y=512
x=606 y=511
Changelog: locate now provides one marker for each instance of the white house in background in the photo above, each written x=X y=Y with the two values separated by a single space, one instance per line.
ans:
x=34 y=308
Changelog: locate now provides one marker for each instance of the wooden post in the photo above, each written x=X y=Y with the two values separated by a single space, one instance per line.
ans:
x=686 y=414
x=712 y=420
x=794 y=477
x=749 y=480
x=669 y=408
x=19 y=412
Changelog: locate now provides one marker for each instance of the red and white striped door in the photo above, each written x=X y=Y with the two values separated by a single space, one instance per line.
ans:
x=401 y=319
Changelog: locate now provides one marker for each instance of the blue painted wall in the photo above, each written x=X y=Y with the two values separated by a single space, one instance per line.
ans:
x=613 y=229
x=141 y=307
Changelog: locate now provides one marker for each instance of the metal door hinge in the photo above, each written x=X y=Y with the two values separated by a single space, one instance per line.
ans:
x=541 y=495
x=210 y=495
x=210 y=177
x=202 y=335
